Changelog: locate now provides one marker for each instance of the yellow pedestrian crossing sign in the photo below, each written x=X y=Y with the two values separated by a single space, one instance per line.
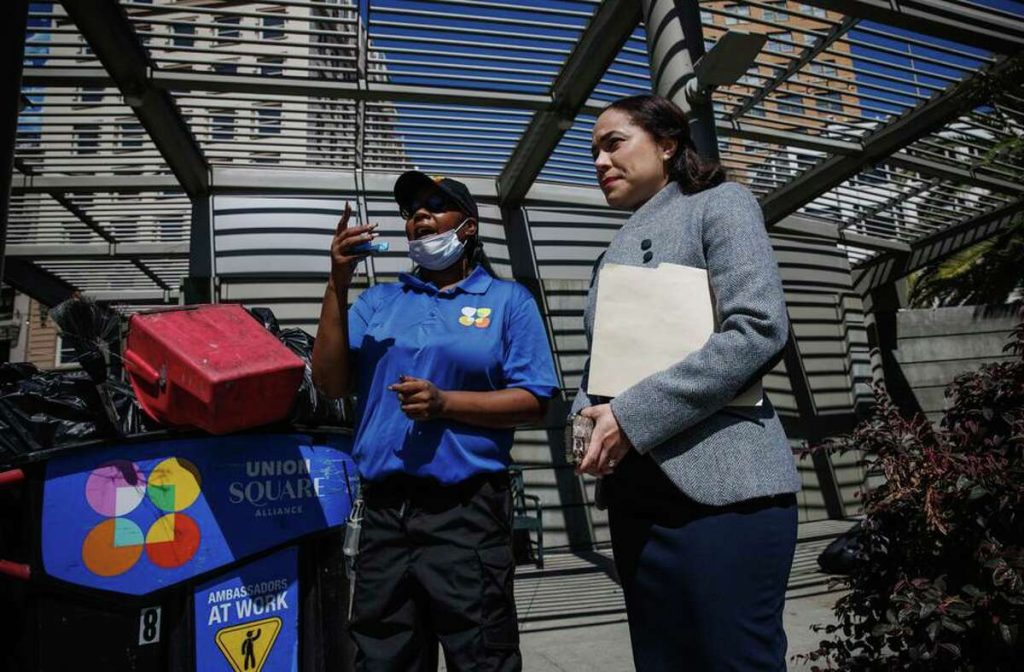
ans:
x=247 y=646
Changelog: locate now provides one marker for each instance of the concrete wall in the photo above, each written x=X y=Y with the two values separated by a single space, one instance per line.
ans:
x=935 y=346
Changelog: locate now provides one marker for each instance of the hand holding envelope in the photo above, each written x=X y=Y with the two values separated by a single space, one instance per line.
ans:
x=646 y=320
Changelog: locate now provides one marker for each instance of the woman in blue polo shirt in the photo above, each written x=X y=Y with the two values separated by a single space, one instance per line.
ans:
x=445 y=363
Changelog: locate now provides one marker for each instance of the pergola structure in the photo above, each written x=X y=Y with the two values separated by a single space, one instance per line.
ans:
x=199 y=150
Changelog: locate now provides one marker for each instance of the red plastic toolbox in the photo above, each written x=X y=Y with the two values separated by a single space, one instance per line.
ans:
x=212 y=367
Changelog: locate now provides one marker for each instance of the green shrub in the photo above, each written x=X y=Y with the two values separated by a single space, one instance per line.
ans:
x=939 y=583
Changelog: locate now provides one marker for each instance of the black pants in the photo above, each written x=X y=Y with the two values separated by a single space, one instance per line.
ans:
x=435 y=564
x=704 y=585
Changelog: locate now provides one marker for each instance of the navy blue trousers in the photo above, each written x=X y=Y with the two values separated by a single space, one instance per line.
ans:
x=704 y=586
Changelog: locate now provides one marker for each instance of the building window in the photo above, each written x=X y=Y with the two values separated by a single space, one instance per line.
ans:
x=66 y=355
x=90 y=94
x=268 y=120
x=789 y=104
x=742 y=10
x=266 y=157
x=225 y=68
x=706 y=17
x=776 y=15
x=819 y=12
x=29 y=141
x=823 y=69
x=780 y=46
x=227 y=26
x=831 y=101
x=222 y=124
x=87 y=138
x=129 y=135
x=272 y=26
x=270 y=66
x=183 y=34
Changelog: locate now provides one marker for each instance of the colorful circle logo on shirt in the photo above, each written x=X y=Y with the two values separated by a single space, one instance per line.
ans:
x=116 y=489
x=475 y=317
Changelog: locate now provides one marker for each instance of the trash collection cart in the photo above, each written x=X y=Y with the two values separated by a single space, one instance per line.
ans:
x=178 y=552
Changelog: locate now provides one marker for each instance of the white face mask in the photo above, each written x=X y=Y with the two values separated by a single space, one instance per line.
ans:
x=439 y=251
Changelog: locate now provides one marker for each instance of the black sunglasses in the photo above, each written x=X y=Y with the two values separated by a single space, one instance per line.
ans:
x=436 y=202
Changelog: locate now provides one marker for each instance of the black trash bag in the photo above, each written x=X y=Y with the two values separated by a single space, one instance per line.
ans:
x=843 y=555
x=311 y=407
x=265 y=316
x=40 y=410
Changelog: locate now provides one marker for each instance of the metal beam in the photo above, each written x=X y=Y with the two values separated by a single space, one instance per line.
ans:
x=151 y=275
x=40 y=284
x=46 y=184
x=807 y=409
x=960 y=22
x=202 y=267
x=887 y=141
x=332 y=89
x=134 y=295
x=951 y=171
x=894 y=201
x=808 y=55
x=888 y=268
x=105 y=26
x=825 y=228
x=598 y=45
x=170 y=80
x=109 y=250
x=82 y=216
x=747 y=131
x=872 y=242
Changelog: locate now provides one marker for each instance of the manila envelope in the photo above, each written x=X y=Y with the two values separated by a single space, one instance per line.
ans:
x=648 y=319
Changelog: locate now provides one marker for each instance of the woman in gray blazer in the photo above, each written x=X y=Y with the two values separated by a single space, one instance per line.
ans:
x=701 y=497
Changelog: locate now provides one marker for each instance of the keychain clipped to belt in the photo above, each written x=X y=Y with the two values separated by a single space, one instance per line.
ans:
x=350 y=548
x=353 y=528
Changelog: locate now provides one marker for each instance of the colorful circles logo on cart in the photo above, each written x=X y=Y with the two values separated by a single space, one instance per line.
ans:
x=118 y=488
x=174 y=485
x=475 y=317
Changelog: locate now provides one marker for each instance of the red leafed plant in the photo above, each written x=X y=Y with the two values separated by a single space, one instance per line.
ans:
x=939 y=582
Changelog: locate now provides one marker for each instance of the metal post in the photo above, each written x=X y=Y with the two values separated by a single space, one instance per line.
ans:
x=199 y=283
x=13 y=34
x=675 y=41
x=578 y=525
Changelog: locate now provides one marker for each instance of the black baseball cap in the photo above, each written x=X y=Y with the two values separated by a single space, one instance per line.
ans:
x=412 y=182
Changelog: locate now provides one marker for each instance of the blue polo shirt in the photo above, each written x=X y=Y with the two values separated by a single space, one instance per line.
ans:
x=483 y=334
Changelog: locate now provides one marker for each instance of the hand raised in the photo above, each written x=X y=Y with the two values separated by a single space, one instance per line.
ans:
x=343 y=259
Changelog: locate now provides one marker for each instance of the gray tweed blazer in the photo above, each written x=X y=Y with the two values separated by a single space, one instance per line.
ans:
x=715 y=454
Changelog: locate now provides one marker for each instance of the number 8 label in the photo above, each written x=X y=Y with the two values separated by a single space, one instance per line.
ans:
x=149 y=626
